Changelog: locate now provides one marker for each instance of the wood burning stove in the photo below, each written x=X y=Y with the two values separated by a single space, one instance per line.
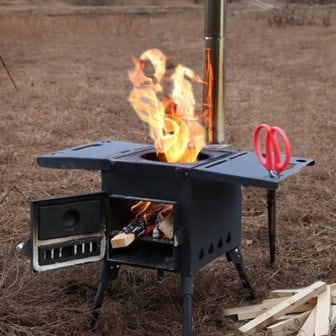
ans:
x=205 y=197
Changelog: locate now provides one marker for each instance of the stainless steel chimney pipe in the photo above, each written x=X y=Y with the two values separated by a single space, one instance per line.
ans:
x=215 y=69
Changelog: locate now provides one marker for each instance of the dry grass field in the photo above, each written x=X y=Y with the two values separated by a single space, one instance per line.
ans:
x=71 y=74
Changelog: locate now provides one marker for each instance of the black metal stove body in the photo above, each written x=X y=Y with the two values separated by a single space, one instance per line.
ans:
x=206 y=199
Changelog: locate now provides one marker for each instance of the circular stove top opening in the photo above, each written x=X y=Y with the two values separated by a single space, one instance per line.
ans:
x=152 y=156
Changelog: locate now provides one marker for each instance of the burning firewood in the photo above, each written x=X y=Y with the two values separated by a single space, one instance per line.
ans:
x=122 y=240
x=166 y=226
x=151 y=218
x=128 y=234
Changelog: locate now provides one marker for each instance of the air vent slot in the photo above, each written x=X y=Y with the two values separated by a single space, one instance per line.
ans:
x=70 y=250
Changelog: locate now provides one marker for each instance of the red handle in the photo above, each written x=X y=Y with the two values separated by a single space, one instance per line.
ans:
x=277 y=165
x=256 y=139
x=272 y=161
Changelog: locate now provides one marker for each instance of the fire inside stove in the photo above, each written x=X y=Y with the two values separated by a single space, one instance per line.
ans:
x=146 y=219
x=142 y=232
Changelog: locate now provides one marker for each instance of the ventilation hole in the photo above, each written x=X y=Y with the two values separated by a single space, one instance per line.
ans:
x=47 y=255
x=228 y=238
x=211 y=248
x=201 y=254
x=220 y=243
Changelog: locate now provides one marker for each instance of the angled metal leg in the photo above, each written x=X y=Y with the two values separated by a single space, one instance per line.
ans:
x=271 y=214
x=108 y=273
x=237 y=258
x=160 y=275
x=187 y=283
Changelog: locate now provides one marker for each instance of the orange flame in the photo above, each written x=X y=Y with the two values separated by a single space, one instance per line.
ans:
x=209 y=95
x=140 y=208
x=177 y=133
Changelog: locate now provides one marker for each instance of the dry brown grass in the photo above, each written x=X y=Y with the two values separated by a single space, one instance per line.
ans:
x=72 y=78
x=301 y=15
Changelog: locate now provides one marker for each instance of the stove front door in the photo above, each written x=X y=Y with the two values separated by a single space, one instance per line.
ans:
x=68 y=231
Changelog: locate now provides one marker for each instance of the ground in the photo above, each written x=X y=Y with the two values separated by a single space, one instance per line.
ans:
x=70 y=67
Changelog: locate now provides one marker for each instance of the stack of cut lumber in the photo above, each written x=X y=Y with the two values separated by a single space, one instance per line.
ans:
x=305 y=311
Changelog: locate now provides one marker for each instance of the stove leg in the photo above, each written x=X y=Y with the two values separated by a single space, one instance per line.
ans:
x=159 y=275
x=237 y=258
x=108 y=273
x=271 y=213
x=187 y=283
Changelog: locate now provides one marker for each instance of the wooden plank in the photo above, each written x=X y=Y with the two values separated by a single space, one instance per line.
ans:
x=308 y=328
x=274 y=301
x=289 y=316
x=253 y=308
x=251 y=314
x=288 y=326
x=323 y=313
x=283 y=307
x=278 y=293
x=333 y=318
x=333 y=312
x=333 y=293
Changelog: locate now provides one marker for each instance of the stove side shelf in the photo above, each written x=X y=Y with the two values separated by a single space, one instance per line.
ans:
x=92 y=156
x=245 y=169
x=233 y=167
